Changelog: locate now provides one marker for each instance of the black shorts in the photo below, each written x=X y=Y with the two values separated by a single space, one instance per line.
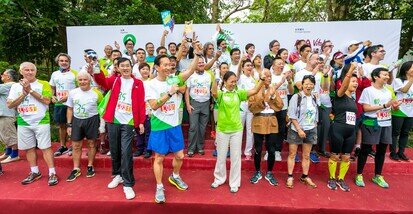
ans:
x=342 y=138
x=372 y=136
x=88 y=128
x=59 y=114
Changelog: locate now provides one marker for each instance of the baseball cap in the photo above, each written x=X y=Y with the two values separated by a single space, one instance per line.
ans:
x=338 y=55
x=353 y=42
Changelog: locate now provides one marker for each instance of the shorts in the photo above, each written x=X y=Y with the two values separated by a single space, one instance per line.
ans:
x=28 y=136
x=342 y=138
x=373 y=137
x=165 y=141
x=294 y=138
x=59 y=114
x=8 y=132
x=85 y=128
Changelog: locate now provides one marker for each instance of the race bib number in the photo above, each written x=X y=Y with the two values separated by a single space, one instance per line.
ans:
x=200 y=90
x=383 y=115
x=168 y=108
x=351 y=118
x=282 y=93
x=124 y=108
x=408 y=102
x=30 y=109
x=61 y=94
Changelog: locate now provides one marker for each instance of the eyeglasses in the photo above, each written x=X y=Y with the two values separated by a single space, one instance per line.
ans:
x=248 y=65
x=329 y=46
x=382 y=51
x=311 y=77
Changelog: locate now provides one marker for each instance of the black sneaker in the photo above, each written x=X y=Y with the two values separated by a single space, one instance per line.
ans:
x=343 y=186
x=147 y=155
x=403 y=157
x=394 y=157
x=331 y=184
x=53 y=180
x=70 y=151
x=31 y=178
x=372 y=154
x=257 y=176
x=137 y=153
x=90 y=172
x=73 y=175
x=60 y=151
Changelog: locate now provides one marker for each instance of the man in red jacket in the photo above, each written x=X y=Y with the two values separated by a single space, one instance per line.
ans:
x=125 y=110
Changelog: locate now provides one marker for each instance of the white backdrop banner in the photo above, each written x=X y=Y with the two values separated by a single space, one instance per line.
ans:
x=385 y=32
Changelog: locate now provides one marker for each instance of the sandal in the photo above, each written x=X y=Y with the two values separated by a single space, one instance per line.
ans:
x=308 y=181
x=290 y=182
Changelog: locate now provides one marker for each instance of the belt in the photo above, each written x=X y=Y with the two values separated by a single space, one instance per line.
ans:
x=265 y=114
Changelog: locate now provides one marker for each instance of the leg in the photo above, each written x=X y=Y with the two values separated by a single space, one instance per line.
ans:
x=31 y=156
x=115 y=148
x=235 y=150
x=292 y=151
x=362 y=159
x=193 y=134
x=91 y=152
x=158 y=167
x=397 y=124
x=379 y=158
x=280 y=136
x=305 y=164
x=270 y=144
x=249 y=141
x=77 y=152
x=203 y=121
x=220 y=171
x=258 y=140
x=404 y=134
x=126 y=132
x=177 y=161
x=323 y=128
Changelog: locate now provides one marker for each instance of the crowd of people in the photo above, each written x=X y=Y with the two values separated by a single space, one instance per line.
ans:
x=137 y=98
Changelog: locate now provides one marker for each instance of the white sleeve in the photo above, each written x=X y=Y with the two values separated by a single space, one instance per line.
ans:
x=150 y=92
x=69 y=101
x=13 y=94
x=397 y=85
x=365 y=97
x=298 y=77
x=51 y=82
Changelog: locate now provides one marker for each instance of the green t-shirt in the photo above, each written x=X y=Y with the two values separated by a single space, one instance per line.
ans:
x=229 y=119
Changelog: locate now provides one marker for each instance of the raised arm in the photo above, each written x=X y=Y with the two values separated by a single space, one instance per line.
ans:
x=163 y=37
x=344 y=86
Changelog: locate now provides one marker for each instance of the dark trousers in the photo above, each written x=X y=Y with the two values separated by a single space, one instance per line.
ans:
x=282 y=128
x=120 y=145
x=142 y=139
x=378 y=159
x=198 y=120
x=323 y=127
x=269 y=144
x=400 y=129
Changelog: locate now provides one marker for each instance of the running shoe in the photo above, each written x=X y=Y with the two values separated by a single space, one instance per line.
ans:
x=256 y=177
x=31 y=178
x=297 y=159
x=147 y=155
x=403 y=157
x=115 y=182
x=379 y=180
x=233 y=189
x=10 y=159
x=90 y=172
x=278 y=156
x=331 y=184
x=53 y=180
x=359 y=181
x=215 y=184
x=73 y=175
x=307 y=181
x=271 y=179
x=343 y=185
x=178 y=182
x=160 y=195
x=129 y=193
x=137 y=153
x=314 y=158
x=266 y=155
x=60 y=151
x=394 y=157
x=372 y=154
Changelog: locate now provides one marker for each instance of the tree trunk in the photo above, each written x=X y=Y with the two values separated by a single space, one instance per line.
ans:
x=266 y=11
x=215 y=11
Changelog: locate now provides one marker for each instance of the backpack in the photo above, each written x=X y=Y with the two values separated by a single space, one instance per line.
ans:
x=299 y=99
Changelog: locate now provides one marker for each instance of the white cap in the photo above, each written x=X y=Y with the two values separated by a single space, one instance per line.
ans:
x=353 y=42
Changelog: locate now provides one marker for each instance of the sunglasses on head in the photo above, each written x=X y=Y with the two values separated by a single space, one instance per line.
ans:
x=311 y=77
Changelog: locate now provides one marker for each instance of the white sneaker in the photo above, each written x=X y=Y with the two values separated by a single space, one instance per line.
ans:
x=278 y=156
x=115 y=182
x=266 y=156
x=10 y=159
x=129 y=193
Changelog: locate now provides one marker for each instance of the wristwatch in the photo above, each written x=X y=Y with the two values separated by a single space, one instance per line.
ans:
x=31 y=91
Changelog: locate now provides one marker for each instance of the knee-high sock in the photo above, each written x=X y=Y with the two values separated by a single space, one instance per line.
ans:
x=343 y=169
x=332 y=167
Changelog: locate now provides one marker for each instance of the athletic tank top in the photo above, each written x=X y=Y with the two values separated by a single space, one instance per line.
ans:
x=345 y=109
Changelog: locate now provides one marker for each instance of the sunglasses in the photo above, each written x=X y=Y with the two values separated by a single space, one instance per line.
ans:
x=311 y=77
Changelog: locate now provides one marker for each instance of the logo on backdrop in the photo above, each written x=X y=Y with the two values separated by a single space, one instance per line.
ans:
x=301 y=30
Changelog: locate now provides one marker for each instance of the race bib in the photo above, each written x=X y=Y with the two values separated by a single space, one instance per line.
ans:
x=29 y=109
x=168 y=108
x=61 y=94
x=202 y=90
x=383 y=115
x=351 y=118
x=408 y=102
x=124 y=108
x=282 y=93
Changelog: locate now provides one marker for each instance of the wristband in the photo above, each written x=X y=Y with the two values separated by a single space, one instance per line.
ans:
x=170 y=95
x=384 y=106
x=325 y=75
x=69 y=125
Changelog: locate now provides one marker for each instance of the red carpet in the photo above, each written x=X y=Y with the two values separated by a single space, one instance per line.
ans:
x=90 y=195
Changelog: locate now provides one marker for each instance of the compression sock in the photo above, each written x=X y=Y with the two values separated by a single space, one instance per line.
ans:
x=343 y=169
x=332 y=167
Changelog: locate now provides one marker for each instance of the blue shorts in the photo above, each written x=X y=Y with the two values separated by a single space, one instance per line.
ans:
x=59 y=114
x=165 y=141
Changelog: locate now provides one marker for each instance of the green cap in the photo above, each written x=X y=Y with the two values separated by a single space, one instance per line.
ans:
x=129 y=37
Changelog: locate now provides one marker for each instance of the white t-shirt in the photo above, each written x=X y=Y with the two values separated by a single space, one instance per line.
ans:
x=233 y=68
x=282 y=90
x=377 y=97
x=368 y=68
x=84 y=103
x=123 y=110
x=167 y=116
x=310 y=115
x=406 y=107
x=64 y=82
x=298 y=77
x=299 y=65
x=199 y=86
x=245 y=83
x=135 y=71
x=31 y=111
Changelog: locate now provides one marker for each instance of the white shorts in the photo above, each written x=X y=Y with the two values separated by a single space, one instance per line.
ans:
x=28 y=136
